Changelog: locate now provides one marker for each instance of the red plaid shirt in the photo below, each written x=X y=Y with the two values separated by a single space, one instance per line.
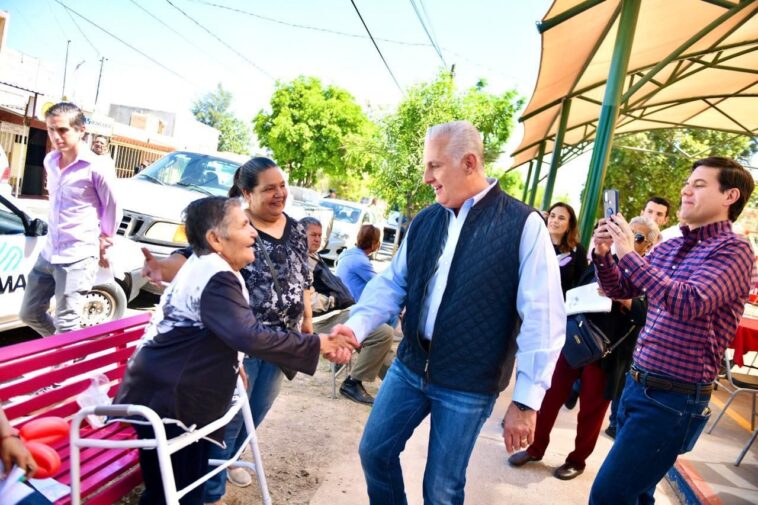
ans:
x=696 y=287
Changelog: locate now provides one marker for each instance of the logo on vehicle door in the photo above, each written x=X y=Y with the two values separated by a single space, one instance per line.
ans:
x=10 y=257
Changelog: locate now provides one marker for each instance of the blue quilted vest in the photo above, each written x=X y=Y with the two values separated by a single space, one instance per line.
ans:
x=473 y=345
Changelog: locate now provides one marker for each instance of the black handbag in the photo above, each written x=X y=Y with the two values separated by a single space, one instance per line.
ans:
x=326 y=283
x=585 y=342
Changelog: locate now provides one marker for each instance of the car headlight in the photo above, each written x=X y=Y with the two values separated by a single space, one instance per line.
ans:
x=167 y=232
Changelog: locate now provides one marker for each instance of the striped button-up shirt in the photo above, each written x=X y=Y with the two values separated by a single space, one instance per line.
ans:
x=83 y=206
x=696 y=287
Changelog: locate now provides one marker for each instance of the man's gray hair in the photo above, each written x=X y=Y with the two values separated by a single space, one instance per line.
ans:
x=463 y=138
x=654 y=234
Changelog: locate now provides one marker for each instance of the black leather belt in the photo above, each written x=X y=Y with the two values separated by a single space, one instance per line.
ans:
x=650 y=381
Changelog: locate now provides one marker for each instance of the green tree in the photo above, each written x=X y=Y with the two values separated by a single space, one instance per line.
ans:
x=308 y=128
x=214 y=110
x=657 y=162
x=399 y=144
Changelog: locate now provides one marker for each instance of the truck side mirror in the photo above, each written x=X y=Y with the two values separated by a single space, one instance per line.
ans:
x=35 y=228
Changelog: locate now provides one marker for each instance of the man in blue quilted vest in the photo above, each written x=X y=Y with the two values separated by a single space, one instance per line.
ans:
x=479 y=280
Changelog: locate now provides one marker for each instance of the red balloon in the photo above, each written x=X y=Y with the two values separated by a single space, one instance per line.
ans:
x=46 y=430
x=47 y=459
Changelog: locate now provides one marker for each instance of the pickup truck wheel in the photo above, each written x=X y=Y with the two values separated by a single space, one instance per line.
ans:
x=105 y=302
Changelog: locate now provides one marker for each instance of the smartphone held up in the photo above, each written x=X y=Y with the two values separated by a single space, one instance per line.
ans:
x=610 y=202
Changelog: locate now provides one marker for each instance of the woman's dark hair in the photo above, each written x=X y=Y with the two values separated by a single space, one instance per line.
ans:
x=368 y=237
x=731 y=175
x=246 y=176
x=571 y=237
x=204 y=215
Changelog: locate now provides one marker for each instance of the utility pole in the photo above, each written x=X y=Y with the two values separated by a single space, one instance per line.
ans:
x=100 y=75
x=65 y=68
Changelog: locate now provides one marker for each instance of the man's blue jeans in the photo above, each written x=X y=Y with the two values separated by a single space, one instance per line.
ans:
x=264 y=380
x=403 y=401
x=654 y=427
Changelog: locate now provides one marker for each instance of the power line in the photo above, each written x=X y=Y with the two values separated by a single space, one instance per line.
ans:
x=180 y=34
x=429 y=35
x=72 y=11
x=306 y=27
x=258 y=68
x=81 y=31
x=377 y=47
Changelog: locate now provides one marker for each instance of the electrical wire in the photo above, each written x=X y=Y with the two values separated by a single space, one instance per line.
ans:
x=72 y=11
x=429 y=35
x=213 y=58
x=250 y=62
x=306 y=27
x=81 y=31
x=377 y=47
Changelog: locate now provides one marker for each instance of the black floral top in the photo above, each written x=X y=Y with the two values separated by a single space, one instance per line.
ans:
x=289 y=257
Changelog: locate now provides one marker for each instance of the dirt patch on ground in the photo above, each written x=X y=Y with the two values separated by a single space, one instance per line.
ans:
x=305 y=431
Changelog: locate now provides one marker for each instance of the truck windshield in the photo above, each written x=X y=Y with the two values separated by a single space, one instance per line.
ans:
x=194 y=171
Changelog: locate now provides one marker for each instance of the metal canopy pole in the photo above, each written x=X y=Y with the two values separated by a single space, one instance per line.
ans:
x=555 y=162
x=609 y=113
x=526 y=183
x=537 y=168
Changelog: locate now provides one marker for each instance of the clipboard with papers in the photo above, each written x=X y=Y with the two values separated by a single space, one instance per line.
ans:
x=586 y=299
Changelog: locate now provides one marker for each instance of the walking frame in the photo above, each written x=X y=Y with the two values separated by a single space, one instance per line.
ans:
x=165 y=447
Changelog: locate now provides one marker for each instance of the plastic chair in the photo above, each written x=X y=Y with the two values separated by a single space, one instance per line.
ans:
x=740 y=383
x=166 y=447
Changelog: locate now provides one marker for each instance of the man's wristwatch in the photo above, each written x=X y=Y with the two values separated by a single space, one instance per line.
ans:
x=522 y=407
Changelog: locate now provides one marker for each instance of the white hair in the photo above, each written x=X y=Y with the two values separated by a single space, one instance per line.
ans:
x=654 y=233
x=463 y=138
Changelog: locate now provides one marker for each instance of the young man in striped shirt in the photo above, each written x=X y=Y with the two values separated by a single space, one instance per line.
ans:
x=696 y=287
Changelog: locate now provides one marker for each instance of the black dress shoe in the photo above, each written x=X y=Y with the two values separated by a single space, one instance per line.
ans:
x=567 y=471
x=611 y=431
x=354 y=390
x=521 y=458
x=571 y=400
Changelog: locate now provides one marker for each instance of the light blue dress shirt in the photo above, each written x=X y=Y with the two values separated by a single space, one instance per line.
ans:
x=539 y=300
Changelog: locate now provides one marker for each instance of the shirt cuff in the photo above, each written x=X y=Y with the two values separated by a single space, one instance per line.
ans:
x=527 y=392
x=358 y=327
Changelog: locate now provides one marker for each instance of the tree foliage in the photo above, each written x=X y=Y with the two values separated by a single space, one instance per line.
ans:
x=658 y=162
x=309 y=127
x=214 y=110
x=398 y=147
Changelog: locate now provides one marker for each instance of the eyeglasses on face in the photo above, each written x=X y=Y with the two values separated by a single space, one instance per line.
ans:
x=639 y=238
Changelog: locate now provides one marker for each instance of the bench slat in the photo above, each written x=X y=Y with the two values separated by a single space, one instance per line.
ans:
x=14 y=352
x=117 y=489
x=62 y=356
x=119 y=356
x=57 y=396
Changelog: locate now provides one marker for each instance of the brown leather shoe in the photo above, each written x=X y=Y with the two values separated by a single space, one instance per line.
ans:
x=567 y=471
x=521 y=458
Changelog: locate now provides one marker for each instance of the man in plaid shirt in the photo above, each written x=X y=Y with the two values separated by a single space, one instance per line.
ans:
x=696 y=286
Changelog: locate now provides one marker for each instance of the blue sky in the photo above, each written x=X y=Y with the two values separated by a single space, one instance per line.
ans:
x=496 y=40
x=492 y=39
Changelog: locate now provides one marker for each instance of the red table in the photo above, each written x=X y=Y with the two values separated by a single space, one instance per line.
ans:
x=745 y=340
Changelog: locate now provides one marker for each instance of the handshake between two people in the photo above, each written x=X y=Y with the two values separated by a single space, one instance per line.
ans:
x=339 y=345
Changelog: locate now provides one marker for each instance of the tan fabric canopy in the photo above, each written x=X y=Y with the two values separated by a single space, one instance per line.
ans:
x=710 y=82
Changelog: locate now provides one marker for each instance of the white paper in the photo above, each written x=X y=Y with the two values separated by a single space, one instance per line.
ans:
x=586 y=299
x=50 y=488
x=12 y=490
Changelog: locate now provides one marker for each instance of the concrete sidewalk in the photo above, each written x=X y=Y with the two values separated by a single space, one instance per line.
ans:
x=490 y=480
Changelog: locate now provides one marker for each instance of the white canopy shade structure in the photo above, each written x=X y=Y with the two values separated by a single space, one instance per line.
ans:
x=633 y=65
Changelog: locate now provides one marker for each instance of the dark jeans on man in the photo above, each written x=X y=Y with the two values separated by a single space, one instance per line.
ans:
x=189 y=464
x=654 y=427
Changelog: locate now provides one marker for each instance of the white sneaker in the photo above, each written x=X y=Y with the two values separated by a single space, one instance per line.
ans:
x=239 y=477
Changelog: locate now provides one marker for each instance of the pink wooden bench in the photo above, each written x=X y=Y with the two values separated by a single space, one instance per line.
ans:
x=106 y=474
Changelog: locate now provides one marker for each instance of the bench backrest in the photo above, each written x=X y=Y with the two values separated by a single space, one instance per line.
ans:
x=27 y=368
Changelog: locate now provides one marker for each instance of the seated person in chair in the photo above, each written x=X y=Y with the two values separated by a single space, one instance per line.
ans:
x=330 y=295
x=187 y=364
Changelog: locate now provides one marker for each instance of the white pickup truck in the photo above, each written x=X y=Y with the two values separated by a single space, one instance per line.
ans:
x=22 y=237
x=154 y=199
